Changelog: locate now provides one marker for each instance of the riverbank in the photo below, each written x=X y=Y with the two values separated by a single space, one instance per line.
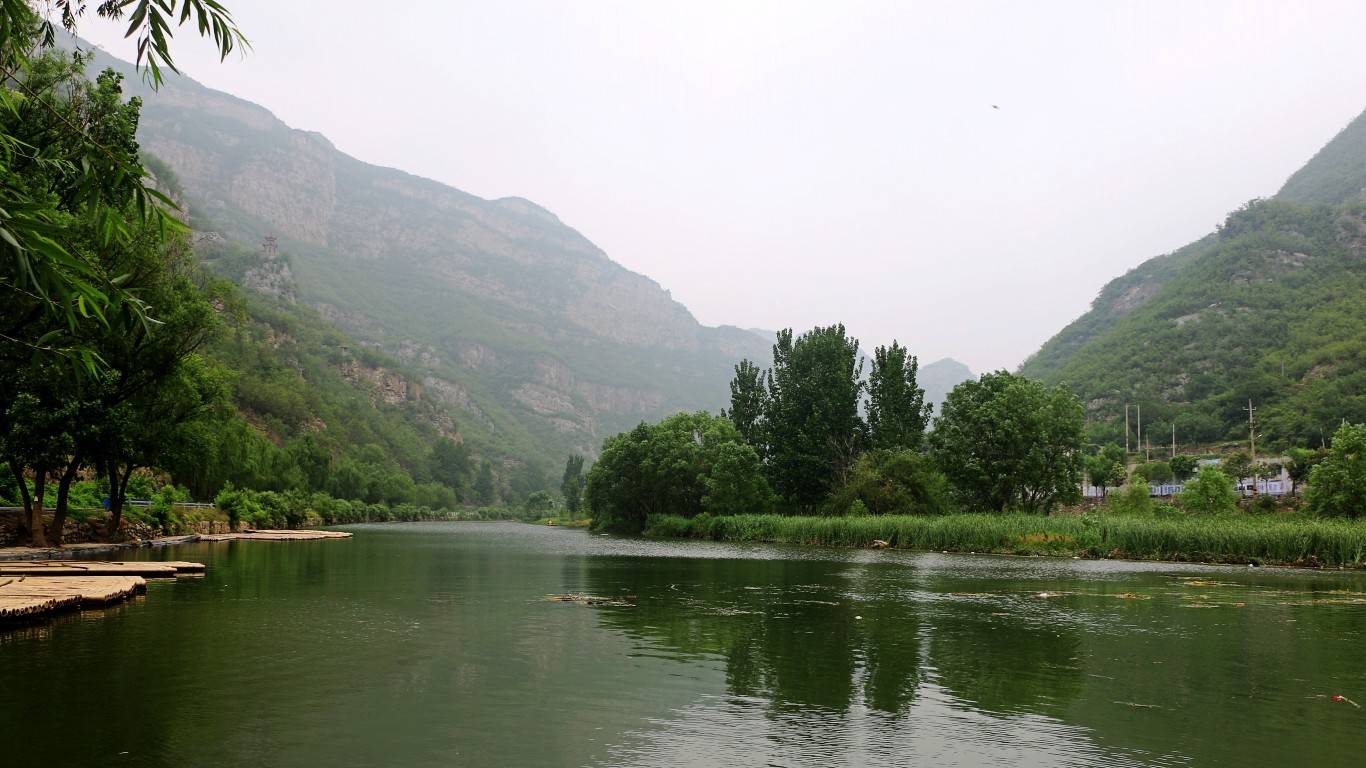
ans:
x=1242 y=539
x=101 y=548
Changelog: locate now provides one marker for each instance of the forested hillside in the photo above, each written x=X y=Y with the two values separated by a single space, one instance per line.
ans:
x=1267 y=308
x=536 y=340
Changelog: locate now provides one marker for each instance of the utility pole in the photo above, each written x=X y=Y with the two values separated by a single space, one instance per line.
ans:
x=1173 y=438
x=1138 y=438
x=1252 y=439
x=1126 y=429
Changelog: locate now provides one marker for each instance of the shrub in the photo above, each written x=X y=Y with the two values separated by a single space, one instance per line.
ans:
x=1132 y=499
x=1183 y=467
x=1210 y=493
x=893 y=482
x=539 y=504
x=1156 y=472
x=238 y=504
x=162 y=509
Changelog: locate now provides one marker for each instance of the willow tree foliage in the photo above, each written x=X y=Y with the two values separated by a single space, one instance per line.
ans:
x=76 y=168
x=95 y=313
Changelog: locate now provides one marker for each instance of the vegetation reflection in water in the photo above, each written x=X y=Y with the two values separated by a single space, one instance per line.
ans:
x=426 y=644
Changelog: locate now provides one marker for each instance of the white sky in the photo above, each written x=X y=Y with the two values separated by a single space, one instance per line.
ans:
x=788 y=164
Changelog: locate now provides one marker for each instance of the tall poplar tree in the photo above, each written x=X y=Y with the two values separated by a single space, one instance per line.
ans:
x=571 y=484
x=897 y=411
x=812 y=419
x=747 y=402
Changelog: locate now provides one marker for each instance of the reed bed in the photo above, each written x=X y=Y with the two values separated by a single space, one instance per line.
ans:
x=1224 y=539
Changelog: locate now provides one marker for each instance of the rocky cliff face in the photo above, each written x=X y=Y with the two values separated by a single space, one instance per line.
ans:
x=540 y=341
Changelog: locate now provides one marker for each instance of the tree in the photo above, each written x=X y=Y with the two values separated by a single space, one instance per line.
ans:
x=129 y=354
x=1238 y=465
x=748 y=400
x=1337 y=485
x=734 y=482
x=1106 y=468
x=1210 y=493
x=58 y=164
x=1183 y=467
x=1302 y=462
x=571 y=484
x=485 y=489
x=160 y=425
x=37 y=438
x=313 y=460
x=896 y=407
x=539 y=504
x=687 y=464
x=812 y=421
x=450 y=464
x=1007 y=442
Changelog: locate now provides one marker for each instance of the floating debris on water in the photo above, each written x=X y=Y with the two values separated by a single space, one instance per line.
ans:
x=581 y=599
x=1136 y=705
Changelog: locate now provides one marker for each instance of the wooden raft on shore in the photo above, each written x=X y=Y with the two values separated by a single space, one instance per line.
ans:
x=281 y=535
x=24 y=597
x=154 y=569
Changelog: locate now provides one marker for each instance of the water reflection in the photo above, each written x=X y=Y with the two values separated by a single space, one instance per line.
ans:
x=802 y=635
x=1034 y=662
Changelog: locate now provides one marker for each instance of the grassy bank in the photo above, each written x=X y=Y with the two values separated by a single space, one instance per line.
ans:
x=1264 y=540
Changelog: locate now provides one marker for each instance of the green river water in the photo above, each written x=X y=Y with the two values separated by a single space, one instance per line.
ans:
x=434 y=645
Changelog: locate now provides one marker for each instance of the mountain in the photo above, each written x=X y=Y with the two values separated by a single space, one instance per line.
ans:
x=1267 y=308
x=941 y=376
x=534 y=338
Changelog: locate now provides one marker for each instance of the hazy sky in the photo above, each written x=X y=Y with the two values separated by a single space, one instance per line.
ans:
x=788 y=164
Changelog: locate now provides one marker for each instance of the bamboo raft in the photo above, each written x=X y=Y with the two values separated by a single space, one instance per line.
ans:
x=25 y=597
x=283 y=535
x=153 y=569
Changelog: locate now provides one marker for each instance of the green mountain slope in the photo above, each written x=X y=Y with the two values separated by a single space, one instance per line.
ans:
x=1268 y=308
x=537 y=341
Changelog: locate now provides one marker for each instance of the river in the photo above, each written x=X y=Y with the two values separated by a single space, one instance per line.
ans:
x=434 y=645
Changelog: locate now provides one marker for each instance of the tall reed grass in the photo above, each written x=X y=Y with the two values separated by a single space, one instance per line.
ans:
x=1221 y=539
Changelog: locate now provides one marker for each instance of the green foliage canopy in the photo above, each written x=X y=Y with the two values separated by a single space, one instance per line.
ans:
x=1337 y=485
x=1007 y=442
x=1210 y=493
x=896 y=407
x=687 y=464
